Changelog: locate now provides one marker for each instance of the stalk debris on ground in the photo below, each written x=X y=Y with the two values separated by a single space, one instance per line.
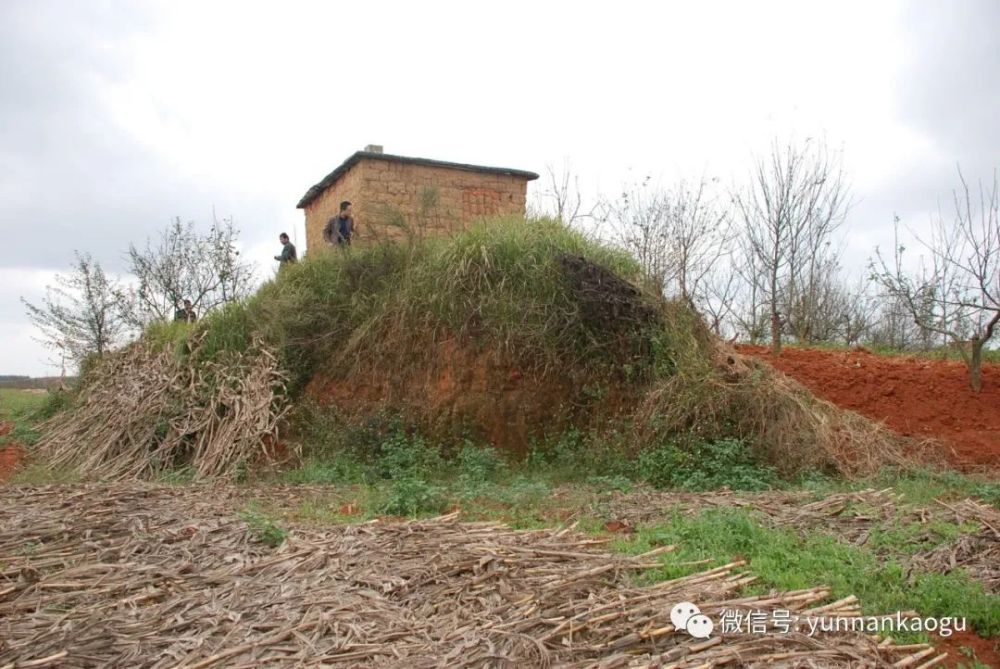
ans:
x=152 y=576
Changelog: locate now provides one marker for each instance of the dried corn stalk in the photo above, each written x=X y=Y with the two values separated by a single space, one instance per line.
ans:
x=142 y=412
x=137 y=575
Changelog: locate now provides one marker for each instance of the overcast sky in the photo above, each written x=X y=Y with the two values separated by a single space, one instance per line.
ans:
x=117 y=116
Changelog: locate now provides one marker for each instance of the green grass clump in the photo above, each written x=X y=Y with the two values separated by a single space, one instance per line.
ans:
x=479 y=465
x=406 y=455
x=414 y=496
x=169 y=335
x=918 y=485
x=38 y=473
x=785 y=560
x=725 y=463
x=180 y=476
x=264 y=528
x=504 y=282
x=412 y=466
x=911 y=538
x=575 y=456
x=404 y=474
x=342 y=468
x=923 y=485
x=54 y=402
x=22 y=433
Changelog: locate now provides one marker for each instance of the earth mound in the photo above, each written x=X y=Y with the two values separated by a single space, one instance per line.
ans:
x=511 y=332
x=521 y=329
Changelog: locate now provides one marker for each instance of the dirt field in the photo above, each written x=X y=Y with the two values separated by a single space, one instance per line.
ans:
x=914 y=396
x=158 y=576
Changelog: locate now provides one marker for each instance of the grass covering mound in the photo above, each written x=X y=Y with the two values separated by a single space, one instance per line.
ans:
x=515 y=331
x=536 y=293
x=505 y=332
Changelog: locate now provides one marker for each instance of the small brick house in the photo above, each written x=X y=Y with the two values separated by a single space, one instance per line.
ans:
x=396 y=196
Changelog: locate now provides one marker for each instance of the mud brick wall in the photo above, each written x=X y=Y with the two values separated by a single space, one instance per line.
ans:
x=431 y=200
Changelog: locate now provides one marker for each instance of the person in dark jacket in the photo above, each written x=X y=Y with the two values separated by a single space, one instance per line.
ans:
x=340 y=228
x=288 y=255
x=186 y=312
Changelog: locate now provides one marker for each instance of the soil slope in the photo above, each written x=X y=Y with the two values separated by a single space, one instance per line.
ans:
x=913 y=396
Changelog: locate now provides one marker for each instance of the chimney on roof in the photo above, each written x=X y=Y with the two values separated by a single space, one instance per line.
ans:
x=373 y=148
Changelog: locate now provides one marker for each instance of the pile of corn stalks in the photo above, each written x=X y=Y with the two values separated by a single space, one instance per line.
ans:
x=142 y=412
x=147 y=576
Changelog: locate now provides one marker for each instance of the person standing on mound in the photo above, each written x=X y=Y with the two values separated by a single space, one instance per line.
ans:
x=340 y=228
x=185 y=313
x=288 y=254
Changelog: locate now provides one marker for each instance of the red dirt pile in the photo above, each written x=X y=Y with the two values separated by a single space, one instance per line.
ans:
x=914 y=396
x=986 y=651
x=11 y=455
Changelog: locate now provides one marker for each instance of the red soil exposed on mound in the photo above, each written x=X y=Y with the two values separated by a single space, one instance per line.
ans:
x=476 y=390
x=913 y=396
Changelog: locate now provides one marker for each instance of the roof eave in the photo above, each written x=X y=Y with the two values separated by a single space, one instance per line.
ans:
x=330 y=179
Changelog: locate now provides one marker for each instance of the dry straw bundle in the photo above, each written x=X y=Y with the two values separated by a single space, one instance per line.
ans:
x=142 y=412
x=788 y=426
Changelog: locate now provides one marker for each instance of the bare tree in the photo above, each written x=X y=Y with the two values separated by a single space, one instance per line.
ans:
x=893 y=326
x=796 y=199
x=749 y=306
x=721 y=288
x=699 y=235
x=81 y=315
x=677 y=235
x=858 y=311
x=812 y=296
x=638 y=221
x=561 y=196
x=186 y=264
x=958 y=295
